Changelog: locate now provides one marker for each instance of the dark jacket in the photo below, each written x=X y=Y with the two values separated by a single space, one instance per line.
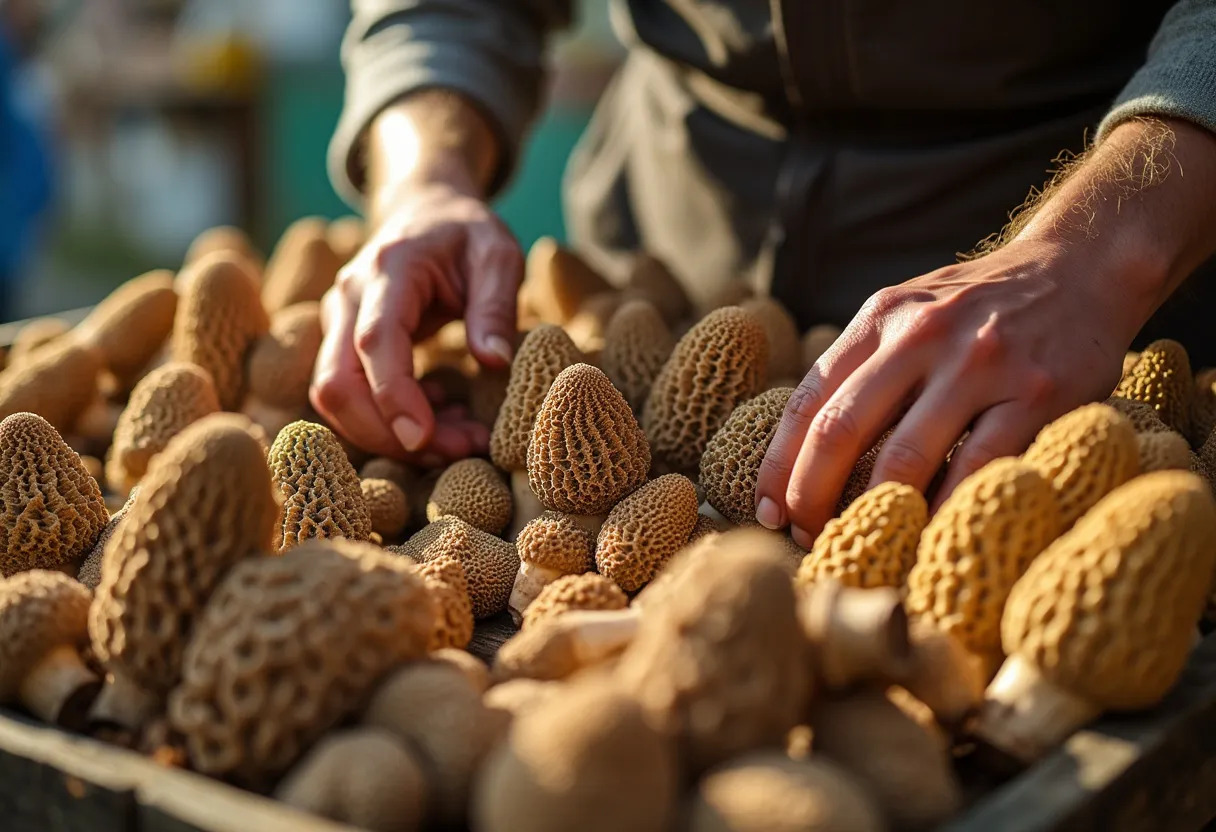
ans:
x=818 y=148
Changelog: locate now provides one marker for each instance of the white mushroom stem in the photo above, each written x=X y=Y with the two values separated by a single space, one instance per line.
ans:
x=944 y=676
x=595 y=635
x=59 y=687
x=124 y=703
x=528 y=584
x=590 y=523
x=857 y=634
x=527 y=506
x=1025 y=714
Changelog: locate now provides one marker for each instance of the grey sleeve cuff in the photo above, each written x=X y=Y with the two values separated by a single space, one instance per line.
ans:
x=1179 y=77
x=490 y=51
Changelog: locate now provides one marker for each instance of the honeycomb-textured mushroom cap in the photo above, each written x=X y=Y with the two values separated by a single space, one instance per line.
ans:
x=645 y=529
x=387 y=506
x=730 y=465
x=873 y=543
x=321 y=493
x=718 y=363
x=365 y=777
x=587 y=449
x=472 y=490
x=544 y=352
x=205 y=504
x=1162 y=378
x=490 y=564
x=816 y=341
x=131 y=325
x=587 y=760
x=549 y=547
x=445 y=580
x=557 y=281
x=90 y=569
x=1108 y=611
x=720 y=664
x=637 y=343
x=53 y=511
x=781 y=330
x=301 y=267
x=58 y=382
x=1143 y=417
x=288 y=647
x=588 y=591
x=37 y=333
x=650 y=279
x=902 y=765
x=766 y=791
x=1085 y=454
x=219 y=318
x=417 y=544
x=704 y=527
x=977 y=546
x=346 y=235
x=1163 y=450
x=1203 y=407
x=162 y=405
x=281 y=361
x=432 y=707
x=43 y=621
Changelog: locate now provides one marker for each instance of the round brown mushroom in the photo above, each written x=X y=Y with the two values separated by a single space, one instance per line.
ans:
x=316 y=628
x=549 y=547
x=637 y=342
x=472 y=490
x=588 y=591
x=301 y=267
x=321 y=494
x=490 y=564
x=473 y=668
x=131 y=325
x=784 y=341
x=43 y=624
x=58 y=382
x=281 y=361
x=645 y=529
x=388 y=508
x=730 y=466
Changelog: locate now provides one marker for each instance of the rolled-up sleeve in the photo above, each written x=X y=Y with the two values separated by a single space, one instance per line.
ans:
x=490 y=51
x=1179 y=77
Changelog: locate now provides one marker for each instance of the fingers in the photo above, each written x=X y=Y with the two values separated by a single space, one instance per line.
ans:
x=495 y=269
x=848 y=424
x=339 y=389
x=389 y=309
x=832 y=368
x=1003 y=430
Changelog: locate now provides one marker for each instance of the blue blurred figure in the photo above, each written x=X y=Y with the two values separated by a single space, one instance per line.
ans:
x=25 y=164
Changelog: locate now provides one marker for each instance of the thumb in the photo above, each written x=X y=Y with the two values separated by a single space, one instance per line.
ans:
x=495 y=269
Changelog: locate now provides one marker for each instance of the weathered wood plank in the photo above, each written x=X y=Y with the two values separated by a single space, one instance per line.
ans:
x=489 y=635
x=1138 y=773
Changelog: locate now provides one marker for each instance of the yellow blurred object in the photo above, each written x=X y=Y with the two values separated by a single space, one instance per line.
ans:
x=224 y=62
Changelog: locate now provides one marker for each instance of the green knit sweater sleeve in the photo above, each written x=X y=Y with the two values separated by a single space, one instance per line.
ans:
x=1179 y=77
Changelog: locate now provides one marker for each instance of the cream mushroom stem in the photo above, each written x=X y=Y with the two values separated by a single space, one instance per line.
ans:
x=527 y=505
x=122 y=702
x=1025 y=714
x=528 y=584
x=59 y=688
x=598 y=634
x=856 y=634
x=944 y=676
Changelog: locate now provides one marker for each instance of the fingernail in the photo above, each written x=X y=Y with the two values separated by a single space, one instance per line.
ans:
x=498 y=345
x=409 y=433
x=768 y=514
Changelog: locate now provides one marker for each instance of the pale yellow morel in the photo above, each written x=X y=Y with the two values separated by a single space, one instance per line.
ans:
x=205 y=505
x=490 y=564
x=549 y=547
x=718 y=364
x=1162 y=378
x=162 y=405
x=36 y=333
x=449 y=588
x=51 y=510
x=766 y=791
x=544 y=352
x=435 y=710
x=873 y=543
x=320 y=491
x=472 y=490
x=219 y=318
x=287 y=648
x=975 y=548
x=784 y=343
x=387 y=507
x=281 y=361
x=730 y=466
x=587 y=759
x=816 y=341
x=1104 y=619
x=557 y=282
x=637 y=343
x=366 y=777
x=645 y=529
x=1085 y=454
x=43 y=626
x=720 y=664
x=904 y=766
x=588 y=591
x=131 y=325
x=301 y=267
x=58 y=382
x=587 y=450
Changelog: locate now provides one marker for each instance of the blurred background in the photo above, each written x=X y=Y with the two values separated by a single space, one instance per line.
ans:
x=129 y=126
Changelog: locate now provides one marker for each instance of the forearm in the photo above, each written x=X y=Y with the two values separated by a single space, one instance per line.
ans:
x=429 y=137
